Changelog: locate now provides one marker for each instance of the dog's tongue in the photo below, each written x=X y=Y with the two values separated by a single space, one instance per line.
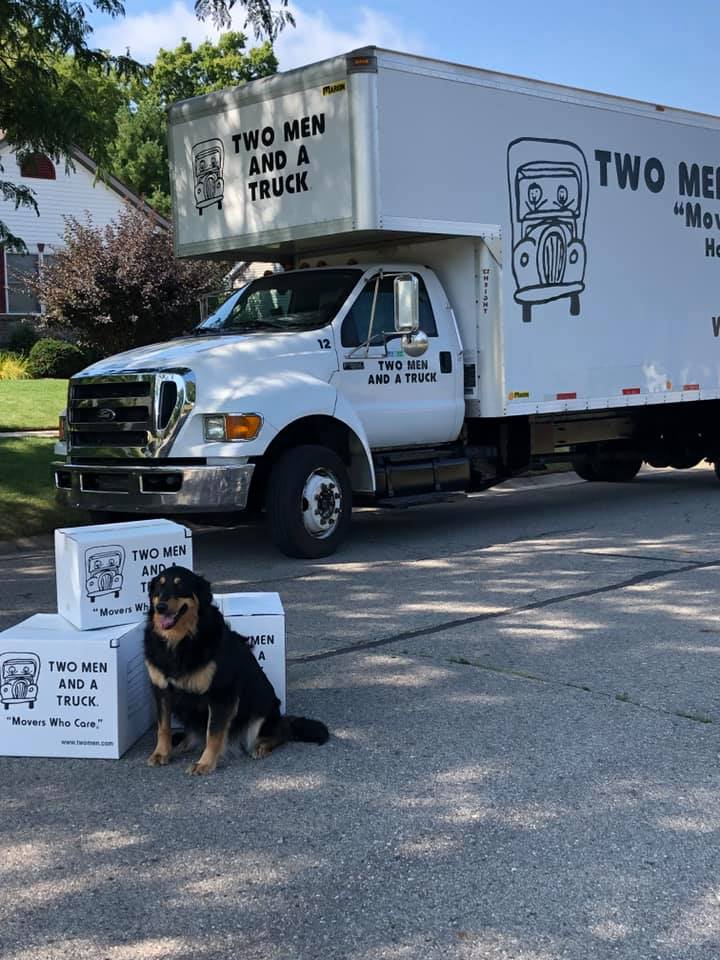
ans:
x=167 y=623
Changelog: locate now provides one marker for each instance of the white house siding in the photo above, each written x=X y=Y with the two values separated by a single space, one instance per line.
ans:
x=71 y=193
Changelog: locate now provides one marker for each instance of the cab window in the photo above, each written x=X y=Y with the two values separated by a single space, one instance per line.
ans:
x=355 y=325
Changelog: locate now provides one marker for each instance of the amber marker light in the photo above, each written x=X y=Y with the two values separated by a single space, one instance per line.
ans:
x=244 y=426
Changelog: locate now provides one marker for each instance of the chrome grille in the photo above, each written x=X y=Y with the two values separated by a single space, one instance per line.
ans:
x=128 y=415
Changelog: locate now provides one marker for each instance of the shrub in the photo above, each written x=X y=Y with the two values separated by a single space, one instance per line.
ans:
x=21 y=336
x=14 y=367
x=55 y=358
x=120 y=286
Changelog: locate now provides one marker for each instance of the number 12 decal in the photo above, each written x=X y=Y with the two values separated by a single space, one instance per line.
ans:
x=324 y=343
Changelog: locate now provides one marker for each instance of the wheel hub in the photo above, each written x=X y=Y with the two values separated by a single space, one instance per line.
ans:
x=321 y=503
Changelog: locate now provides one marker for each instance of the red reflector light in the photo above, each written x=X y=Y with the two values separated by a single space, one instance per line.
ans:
x=691 y=386
x=629 y=390
x=566 y=396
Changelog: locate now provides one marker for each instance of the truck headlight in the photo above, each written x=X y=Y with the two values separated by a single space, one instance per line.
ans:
x=232 y=426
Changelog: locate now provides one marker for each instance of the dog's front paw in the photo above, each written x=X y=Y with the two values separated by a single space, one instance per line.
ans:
x=158 y=759
x=201 y=768
x=261 y=750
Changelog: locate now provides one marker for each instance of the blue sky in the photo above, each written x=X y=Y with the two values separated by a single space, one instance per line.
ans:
x=664 y=52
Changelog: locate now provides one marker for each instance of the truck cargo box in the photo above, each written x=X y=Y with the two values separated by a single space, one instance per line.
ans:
x=603 y=212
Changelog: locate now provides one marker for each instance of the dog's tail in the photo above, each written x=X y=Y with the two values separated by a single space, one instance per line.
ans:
x=307 y=730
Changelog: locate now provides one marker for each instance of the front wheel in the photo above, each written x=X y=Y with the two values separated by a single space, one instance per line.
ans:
x=309 y=502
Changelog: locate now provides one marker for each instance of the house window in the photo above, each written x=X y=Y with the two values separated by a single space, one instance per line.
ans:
x=38 y=167
x=21 y=268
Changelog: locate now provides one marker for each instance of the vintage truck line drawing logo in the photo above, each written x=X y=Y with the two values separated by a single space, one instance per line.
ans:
x=19 y=673
x=103 y=571
x=207 y=164
x=548 y=187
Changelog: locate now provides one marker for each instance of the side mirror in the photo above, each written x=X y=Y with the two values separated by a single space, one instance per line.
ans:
x=407 y=298
x=407 y=314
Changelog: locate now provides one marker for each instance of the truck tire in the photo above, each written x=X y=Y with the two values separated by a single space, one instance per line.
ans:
x=616 y=471
x=309 y=502
x=583 y=468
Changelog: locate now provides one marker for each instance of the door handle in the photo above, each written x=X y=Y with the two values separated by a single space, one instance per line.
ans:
x=445 y=361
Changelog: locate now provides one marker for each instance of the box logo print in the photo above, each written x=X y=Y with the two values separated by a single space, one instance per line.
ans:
x=548 y=185
x=207 y=163
x=104 y=566
x=19 y=673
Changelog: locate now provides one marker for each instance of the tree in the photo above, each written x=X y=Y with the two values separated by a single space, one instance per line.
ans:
x=259 y=15
x=120 y=286
x=183 y=72
x=46 y=109
x=100 y=93
x=140 y=152
x=42 y=108
x=140 y=156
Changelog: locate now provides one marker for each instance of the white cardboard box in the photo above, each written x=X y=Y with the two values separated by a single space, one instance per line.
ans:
x=69 y=693
x=102 y=572
x=260 y=617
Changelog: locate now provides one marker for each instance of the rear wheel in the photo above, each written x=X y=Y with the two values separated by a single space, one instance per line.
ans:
x=616 y=471
x=583 y=468
x=606 y=469
x=309 y=502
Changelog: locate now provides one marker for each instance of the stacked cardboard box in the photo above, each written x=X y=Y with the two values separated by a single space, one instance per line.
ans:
x=74 y=683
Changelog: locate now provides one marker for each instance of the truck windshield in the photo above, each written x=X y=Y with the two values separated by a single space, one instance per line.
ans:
x=300 y=300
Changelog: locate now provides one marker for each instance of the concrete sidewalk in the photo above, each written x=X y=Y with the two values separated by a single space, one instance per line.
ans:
x=524 y=704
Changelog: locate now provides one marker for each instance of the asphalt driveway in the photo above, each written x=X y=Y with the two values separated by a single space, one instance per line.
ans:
x=523 y=696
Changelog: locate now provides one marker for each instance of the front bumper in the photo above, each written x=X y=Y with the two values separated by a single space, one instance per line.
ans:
x=138 y=489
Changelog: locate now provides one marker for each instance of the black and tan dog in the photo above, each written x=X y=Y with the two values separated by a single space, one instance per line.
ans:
x=206 y=675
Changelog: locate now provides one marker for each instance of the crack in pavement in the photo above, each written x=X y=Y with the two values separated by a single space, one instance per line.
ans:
x=551 y=681
x=445 y=625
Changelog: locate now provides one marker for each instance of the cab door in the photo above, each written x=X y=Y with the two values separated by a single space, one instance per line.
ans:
x=401 y=401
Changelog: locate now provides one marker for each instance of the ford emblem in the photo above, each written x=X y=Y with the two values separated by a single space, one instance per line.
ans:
x=106 y=413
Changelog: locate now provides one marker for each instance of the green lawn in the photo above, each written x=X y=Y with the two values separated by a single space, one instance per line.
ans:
x=31 y=404
x=27 y=490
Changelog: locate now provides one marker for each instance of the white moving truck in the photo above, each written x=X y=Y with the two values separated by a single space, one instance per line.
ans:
x=480 y=271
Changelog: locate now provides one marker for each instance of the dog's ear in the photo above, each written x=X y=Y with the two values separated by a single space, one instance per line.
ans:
x=152 y=586
x=203 y=591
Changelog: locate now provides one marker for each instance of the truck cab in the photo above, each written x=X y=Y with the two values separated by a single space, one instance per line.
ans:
x=319 y=386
